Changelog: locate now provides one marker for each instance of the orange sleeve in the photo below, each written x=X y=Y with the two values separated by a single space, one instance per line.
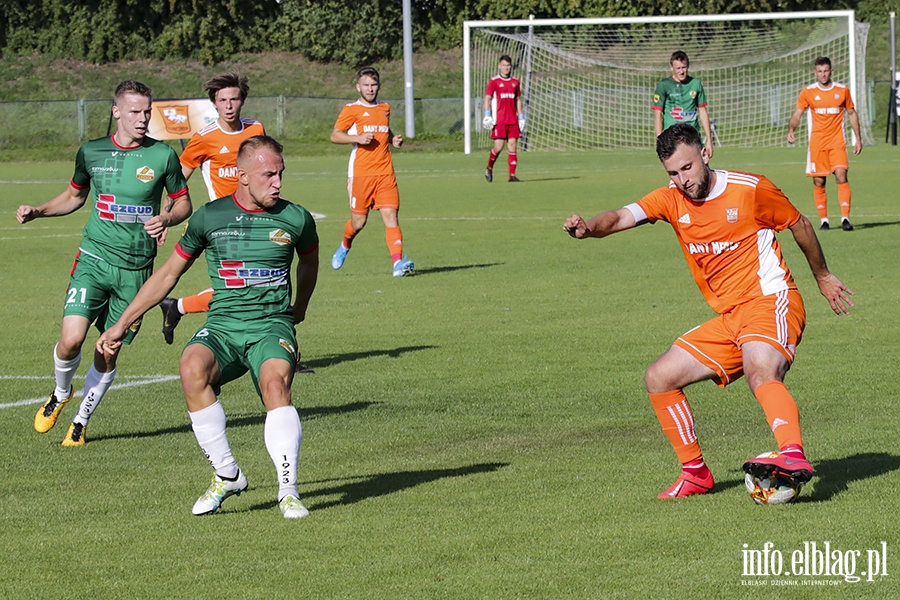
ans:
x=195 y=153
x=773 y=209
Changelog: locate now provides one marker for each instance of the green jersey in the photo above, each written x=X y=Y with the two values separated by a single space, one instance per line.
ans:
x=249 y=255
x=126 y=188
x=679 y=102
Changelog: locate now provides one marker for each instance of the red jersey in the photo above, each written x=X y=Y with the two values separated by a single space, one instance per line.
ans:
x=728 y=238
x=504 y=96
x=215 y=152
x=373 y=159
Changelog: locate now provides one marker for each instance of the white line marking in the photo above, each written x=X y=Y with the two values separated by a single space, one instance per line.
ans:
x=42 y=399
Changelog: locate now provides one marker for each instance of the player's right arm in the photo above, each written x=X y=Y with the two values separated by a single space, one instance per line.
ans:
x=795 y=122
x=66 y=203
x=604 y=224
x=342 y=137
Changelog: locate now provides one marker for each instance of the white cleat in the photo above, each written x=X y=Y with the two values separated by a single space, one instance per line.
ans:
x=218 y=490
x=292 y=508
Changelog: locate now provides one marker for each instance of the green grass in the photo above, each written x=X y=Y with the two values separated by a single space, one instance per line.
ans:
x=479 y=430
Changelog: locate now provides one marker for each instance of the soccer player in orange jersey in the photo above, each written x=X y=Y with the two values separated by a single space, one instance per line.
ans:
x=827 y=102
x=371 y=184
x=725 y=222
x=504 y=116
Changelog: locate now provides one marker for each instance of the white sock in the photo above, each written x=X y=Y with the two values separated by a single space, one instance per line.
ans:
x=64 y=371
x=95 y=386
x=209 y=429
x=180 y=305
x=283 y=434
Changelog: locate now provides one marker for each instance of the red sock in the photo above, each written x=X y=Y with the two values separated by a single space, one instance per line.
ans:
x=511 y=161
x=492 y=159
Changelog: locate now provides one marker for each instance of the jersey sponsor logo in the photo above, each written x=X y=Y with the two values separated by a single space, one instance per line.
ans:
x=376 y=128
x=175 y=118
x=280 y=237
x=109 y=210
x=712 y=247
x=145 y=174
x=227 y=172
x=508 y=96
x=230 y=232
x=828 y=111
x=224 y=150
x=731 y=215
x=679 y=114
x=365 y=113
x=236 y=274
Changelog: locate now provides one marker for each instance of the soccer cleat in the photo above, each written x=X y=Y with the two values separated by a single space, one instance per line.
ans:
x=303 y=368
x=47 y=415
x=171 y=317
x=688 y=485
x=514 y=179
x=75 y=436
x=489 y=174
x=777 y=464
x=218 y=490
x=824 y=226
x=337 y=261
x=403 y=267
x=292 y=508
x=846 y=226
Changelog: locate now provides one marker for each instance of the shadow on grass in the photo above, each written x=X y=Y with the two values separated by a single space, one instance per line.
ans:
x=365 y=487
x=449 y=268
x=833 y=475
x=870 y=225
x=334 y=359
x=306 y=414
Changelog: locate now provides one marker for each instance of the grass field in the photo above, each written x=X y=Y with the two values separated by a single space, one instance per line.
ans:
x=479 y=430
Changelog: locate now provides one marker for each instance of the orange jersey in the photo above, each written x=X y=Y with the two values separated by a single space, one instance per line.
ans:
x=729 y=237
x=826 y=113
x=373 y=159
x=215 y=152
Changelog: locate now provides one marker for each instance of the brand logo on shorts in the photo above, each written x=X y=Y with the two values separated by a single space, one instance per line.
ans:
x=731 y=215
x=145 y=174
x=280 y=237
x=136 y=326
x=286 y=345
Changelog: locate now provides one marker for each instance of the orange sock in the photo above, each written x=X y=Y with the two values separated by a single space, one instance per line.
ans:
x=197 y=303
x=349 y=234
x=821 y=201
x=394 y=239
x=677 y=420
x=844 y=199
x=782 y=413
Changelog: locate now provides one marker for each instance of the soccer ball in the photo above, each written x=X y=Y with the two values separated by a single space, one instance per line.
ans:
x=771 y=490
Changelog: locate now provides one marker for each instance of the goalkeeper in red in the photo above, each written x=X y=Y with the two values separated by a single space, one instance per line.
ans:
x=503 y=115
x=725 y=222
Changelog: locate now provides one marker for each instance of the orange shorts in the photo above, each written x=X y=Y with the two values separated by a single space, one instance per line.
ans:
x=822 y=162
x=373 y=193
x=777 y=319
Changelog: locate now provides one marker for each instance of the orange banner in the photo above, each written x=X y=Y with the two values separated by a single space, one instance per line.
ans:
x=180 y=119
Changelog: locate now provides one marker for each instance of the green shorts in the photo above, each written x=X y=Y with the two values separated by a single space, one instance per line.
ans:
x=241 y=346
x=100 y=292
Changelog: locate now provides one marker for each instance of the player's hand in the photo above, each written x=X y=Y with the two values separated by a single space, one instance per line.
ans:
x=790 y=137
x=156 y=228
x=397 y=141
x=837 y=294
x=857 y=147
x=488 y=122
x=26 y=213
x=366 y=139
x=709 y=149
x=576 y=227
x=161 y=240
x=110 y=340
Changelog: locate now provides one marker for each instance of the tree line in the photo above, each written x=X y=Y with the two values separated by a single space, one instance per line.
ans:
x=351 y=32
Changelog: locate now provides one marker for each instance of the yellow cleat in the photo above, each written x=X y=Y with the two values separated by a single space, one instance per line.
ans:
x=75 y=436
x=46 y=417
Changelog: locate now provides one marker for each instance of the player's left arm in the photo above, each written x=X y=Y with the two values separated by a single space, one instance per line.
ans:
x=854 y=125
x=396 y=139
x=307 y=275
x=604 y=224
x=707 y=128
x=837 y=294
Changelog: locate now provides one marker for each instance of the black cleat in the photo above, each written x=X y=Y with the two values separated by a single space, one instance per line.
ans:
x=514 y=179
x=489 y=174
x=303 y=368
x=171 y=317
x=824 y=226
x=846 y=226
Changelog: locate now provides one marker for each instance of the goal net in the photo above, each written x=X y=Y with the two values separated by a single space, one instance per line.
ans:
x=589 y=83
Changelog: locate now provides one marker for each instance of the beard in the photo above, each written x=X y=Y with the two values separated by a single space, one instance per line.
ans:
x=700 y=189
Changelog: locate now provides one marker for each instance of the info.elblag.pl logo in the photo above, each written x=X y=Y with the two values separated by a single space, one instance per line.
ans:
x=813 y=563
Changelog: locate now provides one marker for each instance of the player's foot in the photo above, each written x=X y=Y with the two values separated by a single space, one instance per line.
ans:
x=218 y=490
x=688 y=485
x=292 y=508
x=781 y=464
x=845 y=225
x=403 y=267
x=489 y=174
x=47 y=415
x=303 y=368
x=514 y=179
x=171 y=317
x=824 y=226
x=75 y=436
x=337 y=261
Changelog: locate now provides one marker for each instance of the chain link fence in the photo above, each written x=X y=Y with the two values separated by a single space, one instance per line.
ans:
x=32 y=124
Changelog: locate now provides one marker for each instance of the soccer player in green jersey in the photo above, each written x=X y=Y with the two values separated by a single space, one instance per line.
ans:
x=125 y=176
x=681 y=99
x=250 y=241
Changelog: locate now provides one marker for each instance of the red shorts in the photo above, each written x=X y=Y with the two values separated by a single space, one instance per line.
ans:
x=506 y=132
x=373 y=193
x=777 y=319
x=822 y=162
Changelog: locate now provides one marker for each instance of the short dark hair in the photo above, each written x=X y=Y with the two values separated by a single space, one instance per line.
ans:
x=368 y=72
x=680 y=133
x=131 y=86
x=823 y=60
x=506 y=58
x=680 y=56
x=227 y=80
x=255 y=142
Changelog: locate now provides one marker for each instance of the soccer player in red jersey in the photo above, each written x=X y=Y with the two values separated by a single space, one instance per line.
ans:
x=725 y=222
x=503 y=115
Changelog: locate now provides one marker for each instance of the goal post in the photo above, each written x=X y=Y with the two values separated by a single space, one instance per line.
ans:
x=588 y=83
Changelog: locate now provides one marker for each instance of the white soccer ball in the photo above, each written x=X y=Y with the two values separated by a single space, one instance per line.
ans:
x=771 y=490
